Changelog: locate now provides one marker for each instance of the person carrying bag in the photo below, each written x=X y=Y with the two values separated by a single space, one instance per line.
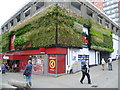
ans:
x=85 y=72
x=27 y=73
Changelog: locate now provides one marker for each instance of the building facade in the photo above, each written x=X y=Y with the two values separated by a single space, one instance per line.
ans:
x=58 y=41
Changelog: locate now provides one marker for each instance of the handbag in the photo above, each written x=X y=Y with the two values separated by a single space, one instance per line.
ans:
x=27 y=72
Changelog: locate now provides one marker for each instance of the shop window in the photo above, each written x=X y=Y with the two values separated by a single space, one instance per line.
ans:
x=38 y=63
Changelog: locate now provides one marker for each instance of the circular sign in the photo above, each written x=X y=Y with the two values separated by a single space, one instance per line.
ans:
x=52 y=63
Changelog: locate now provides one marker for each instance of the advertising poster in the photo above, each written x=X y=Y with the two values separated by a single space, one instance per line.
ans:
x=38 y=62
x=52 y=64
x=83 y=59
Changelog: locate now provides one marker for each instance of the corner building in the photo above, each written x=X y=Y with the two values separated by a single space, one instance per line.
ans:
x=58 y=36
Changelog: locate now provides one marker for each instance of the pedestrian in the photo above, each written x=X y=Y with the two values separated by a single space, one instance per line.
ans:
x=110 y=64
x=27 y=73
x=85 y=71
x=119 y=57
x=3 y=69
x=103 y=63
x=15 y=67
x=7 y=67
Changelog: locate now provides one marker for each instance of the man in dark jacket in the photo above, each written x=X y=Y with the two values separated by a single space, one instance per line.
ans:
x=27 y=73
x=85 y=71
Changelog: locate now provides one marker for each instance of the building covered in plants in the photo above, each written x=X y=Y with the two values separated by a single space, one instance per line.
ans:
x=57 y=37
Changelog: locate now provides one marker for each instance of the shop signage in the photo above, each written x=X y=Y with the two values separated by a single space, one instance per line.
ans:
x=52 y=64
x=85 y=37
x=42 y=50
x=5 y=57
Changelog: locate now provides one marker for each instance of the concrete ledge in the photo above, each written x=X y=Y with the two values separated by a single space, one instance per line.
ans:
x=7 y=86
x=18 y=84
x=94 y=85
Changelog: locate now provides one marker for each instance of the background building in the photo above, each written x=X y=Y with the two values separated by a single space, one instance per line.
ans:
x=98 y=3
x=110 y=8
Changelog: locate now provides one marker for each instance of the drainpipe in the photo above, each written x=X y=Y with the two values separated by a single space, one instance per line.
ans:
x=56 y=38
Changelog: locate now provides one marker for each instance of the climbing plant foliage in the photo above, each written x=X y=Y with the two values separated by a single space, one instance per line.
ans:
x=40 y=31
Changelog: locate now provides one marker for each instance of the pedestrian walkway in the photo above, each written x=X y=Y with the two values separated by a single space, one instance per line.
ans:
x=104 y=79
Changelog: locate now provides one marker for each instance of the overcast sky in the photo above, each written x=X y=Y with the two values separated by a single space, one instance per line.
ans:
x=9 y=7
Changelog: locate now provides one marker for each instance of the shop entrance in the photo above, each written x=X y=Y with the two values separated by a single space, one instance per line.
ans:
x=13 y=65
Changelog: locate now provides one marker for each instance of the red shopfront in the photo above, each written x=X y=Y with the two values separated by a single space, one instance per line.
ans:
x=55 y=62
x=11 y=59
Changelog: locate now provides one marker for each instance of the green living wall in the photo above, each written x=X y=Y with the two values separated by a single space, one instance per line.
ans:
x=4 y=42
x=40 y=30
x=101 y=37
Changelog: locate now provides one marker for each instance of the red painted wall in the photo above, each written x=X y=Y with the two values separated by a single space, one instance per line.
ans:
x=61 y=64
x=23 y=62
x=56 y=50
x=30 y=52
x=12 y=38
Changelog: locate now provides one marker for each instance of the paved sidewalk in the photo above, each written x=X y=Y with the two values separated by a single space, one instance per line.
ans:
x=104 y=79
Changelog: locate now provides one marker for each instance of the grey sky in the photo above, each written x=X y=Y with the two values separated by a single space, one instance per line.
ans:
x=9 y=7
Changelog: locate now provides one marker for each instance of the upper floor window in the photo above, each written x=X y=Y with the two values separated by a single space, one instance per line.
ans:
x=27 y=12
x=107 y=24
x=39 y=5
x=76 y=5
x=18 y=18
x=99 y=19
x=6 y=26
x=11 y=22
x=89 y=12
x=2 y=29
